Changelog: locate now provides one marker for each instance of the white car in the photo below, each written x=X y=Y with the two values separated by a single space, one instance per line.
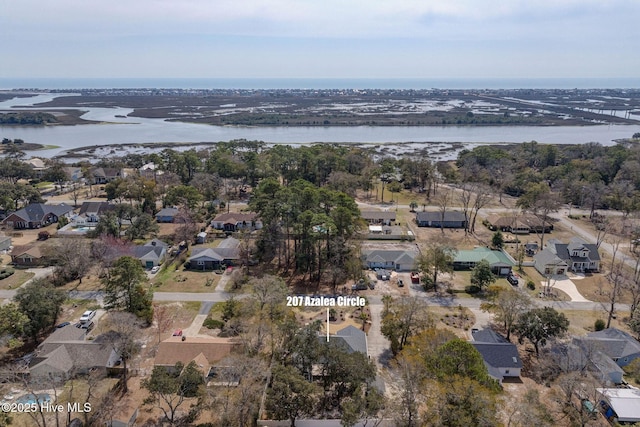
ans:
x=87 y=316
x=155 y=269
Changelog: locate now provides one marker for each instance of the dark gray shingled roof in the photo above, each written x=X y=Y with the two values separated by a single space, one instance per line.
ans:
x=499 y=355
x=437 y=216
x=616 y=343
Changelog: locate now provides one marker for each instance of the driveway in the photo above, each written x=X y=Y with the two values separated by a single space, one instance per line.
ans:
x=38 y=272
x=567 y=286
x=377 y=344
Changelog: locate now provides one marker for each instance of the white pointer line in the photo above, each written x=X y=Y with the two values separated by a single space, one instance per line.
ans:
x=327 y=324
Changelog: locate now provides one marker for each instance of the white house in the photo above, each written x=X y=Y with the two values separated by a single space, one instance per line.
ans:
x=558 y=257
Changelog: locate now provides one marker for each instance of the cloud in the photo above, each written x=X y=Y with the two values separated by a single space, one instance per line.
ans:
x=352 y=37
x=296 y=18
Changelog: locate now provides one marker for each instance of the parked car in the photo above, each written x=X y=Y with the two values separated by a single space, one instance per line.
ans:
x=360 y=286
x=87 y=316
x=62 y=325
x=87 y=325
x=400 y=283
x=513 y=279
x=155 y=269
x=177 y=333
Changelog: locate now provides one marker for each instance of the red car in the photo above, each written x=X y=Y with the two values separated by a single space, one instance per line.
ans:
x=177 y=333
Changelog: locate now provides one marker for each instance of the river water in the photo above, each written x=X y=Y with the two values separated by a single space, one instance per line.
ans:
x=121 y=130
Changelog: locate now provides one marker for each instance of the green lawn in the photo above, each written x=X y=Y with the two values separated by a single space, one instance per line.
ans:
x=16 y=280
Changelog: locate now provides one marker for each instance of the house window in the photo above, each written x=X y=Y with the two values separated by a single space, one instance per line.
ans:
x=200 y=262
x=506 y=371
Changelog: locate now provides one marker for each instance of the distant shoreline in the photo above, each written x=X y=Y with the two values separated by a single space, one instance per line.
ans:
x=351 y=107
x=8 y=83
x=27 y=146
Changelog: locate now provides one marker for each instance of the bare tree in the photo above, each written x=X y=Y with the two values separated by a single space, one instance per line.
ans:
x=603 y=226
x=72 y=262
x=104 y=409
x=483 y=197
x=633 y=286
x=75 y=193
x=616 y=278
x=443 y=199
x=402 y=318
x=540 y=202
x=527 y=410
x=163 y=318
x=18 y=373
x=188 y=226
x=506 y=305
x=467 y=190
x=411 y=375
x=569 y=391
x=123 y=332
x=241 y=381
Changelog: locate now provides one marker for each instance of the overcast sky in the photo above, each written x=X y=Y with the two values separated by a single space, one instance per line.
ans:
x=320 y=38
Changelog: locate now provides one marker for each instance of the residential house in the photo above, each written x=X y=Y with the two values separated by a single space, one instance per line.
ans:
x=531 y=248
x=500 y=356
x=518 y=224
x=157 y=242
x=621 y=404
x=90 y=212
x=212 y=258
x=66 y=353
x=501 y=263
x=151 y=254
x=204 y=350
x=105 y=175
x=350 y=339
x=451 y=219
x=73 y=173
x=37 y=165
x=621 y=347
x=583 y=353
x=389 y=259
x=167 y=214
x=557 y=257
x=5 y=243
x=379 y=217
x=149 y=171
x=28 y=256
x=235 y=221
x=36 y=215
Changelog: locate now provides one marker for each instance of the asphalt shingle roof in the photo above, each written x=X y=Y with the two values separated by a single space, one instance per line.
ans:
x=478 y=254
x=616 y=343
x=37 y=211
x=499 y=355
x=454 y=216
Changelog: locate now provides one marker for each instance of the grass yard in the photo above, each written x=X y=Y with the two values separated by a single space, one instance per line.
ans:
x=180 y=313
x=17 y=279
x=171 y=280
x=89 y=283
x=456 y=319
x=73 y=309
x=582 y=321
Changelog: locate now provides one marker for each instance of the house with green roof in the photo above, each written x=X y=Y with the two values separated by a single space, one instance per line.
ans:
x=501 y=263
